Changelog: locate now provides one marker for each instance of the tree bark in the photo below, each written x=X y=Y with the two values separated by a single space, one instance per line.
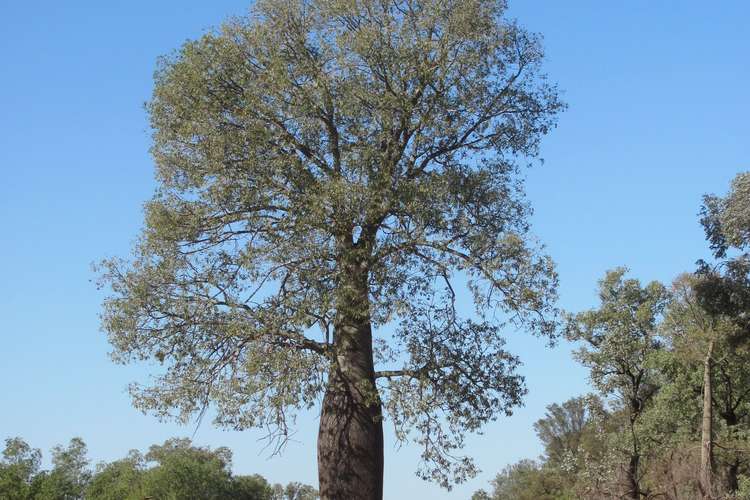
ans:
x=731 y=475
x=636 y=408
x=350 y=438
x=707 y=444
x=350 y=443
x=634 y=486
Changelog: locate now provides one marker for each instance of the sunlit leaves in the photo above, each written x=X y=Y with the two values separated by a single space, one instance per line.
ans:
x=317 y=137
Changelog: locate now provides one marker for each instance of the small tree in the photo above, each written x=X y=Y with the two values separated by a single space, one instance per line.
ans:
x=19 y=467
x=327 y=168
x=294 y=491
x=562 y=428
x=118 y=480
x=618 y=339
x=526 y=480
x=69 y=476
x=180 y=470
x=186 y=471
x=254 y=487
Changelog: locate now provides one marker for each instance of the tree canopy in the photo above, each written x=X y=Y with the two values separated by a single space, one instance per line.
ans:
x=326 y=166
x=175 y=470
x=672 y=368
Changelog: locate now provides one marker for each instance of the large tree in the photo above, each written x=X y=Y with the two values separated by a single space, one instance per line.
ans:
x=723 y=293
x=710 y=362
x=19 y=467
x=331 y=173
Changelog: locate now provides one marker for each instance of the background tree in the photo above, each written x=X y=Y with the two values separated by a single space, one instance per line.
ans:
x=183 y=470
x=22 y=479
x=726 y=220
x=526 y=480
x=327 y=167
x=118 y=480
x=294 y=491
x=723 y=292
x=584 y=441
x=176 y=470
x=703 y=332
x=69 y=475
x=255 y=487
x=573 y=449
x=618 y=339
x=692 y=416
x=574 y=437
x=562 y=428
x=671 y=424
x=18 y=468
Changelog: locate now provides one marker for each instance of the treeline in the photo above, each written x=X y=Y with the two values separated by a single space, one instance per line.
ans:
x=670 y=365
x=176 y=470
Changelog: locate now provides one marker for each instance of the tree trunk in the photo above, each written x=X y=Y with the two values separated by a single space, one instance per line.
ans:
x=635 y=490
x=350 y=438
x=707 y=442
x=731 y=479
x=350 y=442
x=636 y=407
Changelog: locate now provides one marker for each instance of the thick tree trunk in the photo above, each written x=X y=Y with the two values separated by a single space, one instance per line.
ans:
x=350 y=443
x=350 y=439
x=707 y=442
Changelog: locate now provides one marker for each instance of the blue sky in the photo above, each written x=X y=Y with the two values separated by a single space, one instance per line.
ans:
x=658 y=116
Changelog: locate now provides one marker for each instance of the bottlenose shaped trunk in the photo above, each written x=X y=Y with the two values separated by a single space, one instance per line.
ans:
x=350 y=442
x=350 y=438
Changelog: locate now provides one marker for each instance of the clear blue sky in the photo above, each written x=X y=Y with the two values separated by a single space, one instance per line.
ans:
x=658 y=95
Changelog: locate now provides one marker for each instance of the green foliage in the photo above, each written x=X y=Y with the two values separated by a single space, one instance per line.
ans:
x=183 y=470
x=620 y=339
x=70 y=472
x=322 y=160
x=620 y=336
x=562 y=428
x=21 y=478
x=528 y=480
x=726 y=220
x=658 y=339
x=118 y=480
x=294 y=491
x=18 y=468
x=253 y=487
x=743 y=492
x=176 y=470
x=481 y=495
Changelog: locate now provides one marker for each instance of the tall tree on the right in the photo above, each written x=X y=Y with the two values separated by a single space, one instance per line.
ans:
x=706 y=348
x=722 y=290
